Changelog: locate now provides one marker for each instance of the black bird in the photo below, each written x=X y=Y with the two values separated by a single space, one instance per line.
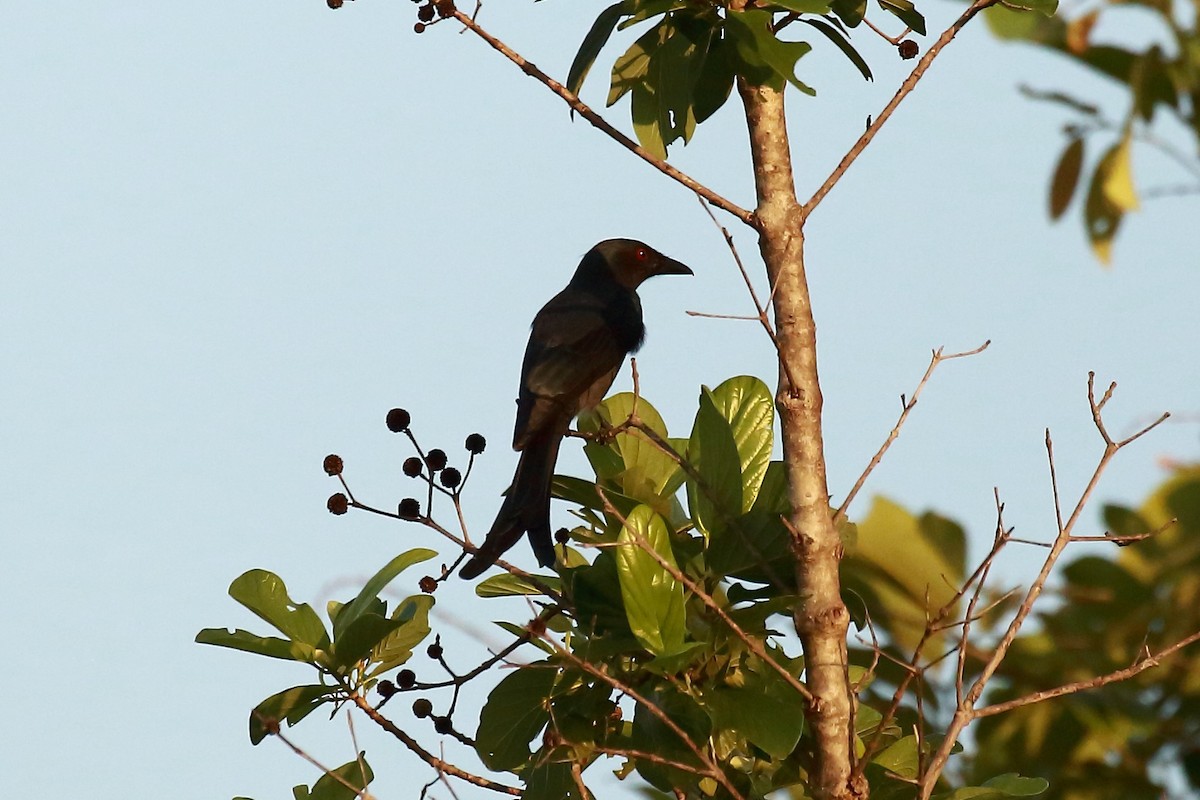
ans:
x=578 y=342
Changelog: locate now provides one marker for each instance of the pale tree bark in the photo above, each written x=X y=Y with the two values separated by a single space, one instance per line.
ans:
x=821 y=618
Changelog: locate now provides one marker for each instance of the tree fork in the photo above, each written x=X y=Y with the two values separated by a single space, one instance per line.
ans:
x=821 y=618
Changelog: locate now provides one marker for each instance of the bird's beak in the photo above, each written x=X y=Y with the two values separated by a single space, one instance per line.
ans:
x=669 y=266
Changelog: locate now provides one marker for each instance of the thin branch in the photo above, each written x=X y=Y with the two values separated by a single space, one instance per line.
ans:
x=1141 y=665
x=599 y=122
x=906 y=87
x=908 y=405
x=363 y=793
x=762 y=315
x=429 y=758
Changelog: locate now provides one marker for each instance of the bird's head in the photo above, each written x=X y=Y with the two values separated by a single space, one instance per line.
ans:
x=632 y=262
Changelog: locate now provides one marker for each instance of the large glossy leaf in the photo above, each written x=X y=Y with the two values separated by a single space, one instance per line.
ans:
x=264 y=594
x=640 y=469
x=764 y=709
x=716 y=498
x=851 y=12
x=269 y=646
x=508 y=585
x=749 y=407
x=629 y=70
x=290 y=705
x=1066 y=177
x=396 y=647
x=653 y=598
x=592 y=44
x=514 y=713
x=367 y=596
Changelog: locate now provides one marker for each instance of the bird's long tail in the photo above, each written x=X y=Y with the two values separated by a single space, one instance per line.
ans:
x=525 y=508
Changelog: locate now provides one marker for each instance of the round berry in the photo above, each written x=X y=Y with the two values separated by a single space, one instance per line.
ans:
x=908 y=49
x=333 y=465
x=476 y=444
x=419 y=27
x=406 y=678
x=337 y=503
x=425 y=12
x=434 y=650
x=562 y=535
x=398 y=419
x=412 y=467
x=435 y=459
x=428 y=584
x=334 y=4
x=451 y=477
x=442 y=725
x=422 y=708
x=386 y=689
x=410 y=508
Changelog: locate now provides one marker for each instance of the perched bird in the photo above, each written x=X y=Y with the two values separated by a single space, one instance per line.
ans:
x=577 y=344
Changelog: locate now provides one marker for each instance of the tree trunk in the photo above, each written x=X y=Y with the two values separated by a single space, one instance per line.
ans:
x=820 y=617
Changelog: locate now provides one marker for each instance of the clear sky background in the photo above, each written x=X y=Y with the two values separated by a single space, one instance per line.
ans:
x=232 y=235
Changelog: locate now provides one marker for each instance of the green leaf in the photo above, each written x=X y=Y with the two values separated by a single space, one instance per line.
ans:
x=514 y=713
x=644 y=112
x=838 y=38
x=264 y=594
x=269 y=646
x=550 y=780
x=290 y=705
x=712 y=451
x=715 y=81
x=754 y=710
x=1066 y=177
x=651 y=734
x=640 y=10
x=396 y=648
x=850 y=12
x=638 y=467
x=508 y=585
x=749 y=407
x=353 y=773
x=630 y=69
x=758 y=45
x=592 y=44
x=653 y=598
x=367 y=596
x=906 y=12
x=356 y=640
x=900 y=757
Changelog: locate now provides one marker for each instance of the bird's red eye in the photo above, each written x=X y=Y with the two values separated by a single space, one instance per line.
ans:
x=641 y=253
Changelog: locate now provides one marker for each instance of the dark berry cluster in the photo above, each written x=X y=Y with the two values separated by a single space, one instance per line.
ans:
x=428 y=9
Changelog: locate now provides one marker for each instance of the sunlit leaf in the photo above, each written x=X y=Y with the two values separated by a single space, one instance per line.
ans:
x=653 y=598
x=334 y=786
x=264 y=594
x=366 y=597
x=749 y=407
x=716 y=497
x=906 y=12
x=1118 y=177
x=269 y=646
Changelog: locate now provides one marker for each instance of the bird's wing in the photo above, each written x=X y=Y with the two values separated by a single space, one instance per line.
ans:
x=572 y=349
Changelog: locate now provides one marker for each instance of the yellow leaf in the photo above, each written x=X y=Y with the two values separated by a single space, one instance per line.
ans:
x=1118 y=181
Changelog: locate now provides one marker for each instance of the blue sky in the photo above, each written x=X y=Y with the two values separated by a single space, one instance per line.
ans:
x=235 y=234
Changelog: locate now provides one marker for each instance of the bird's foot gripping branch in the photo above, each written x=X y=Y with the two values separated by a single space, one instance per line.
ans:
x=659 y=656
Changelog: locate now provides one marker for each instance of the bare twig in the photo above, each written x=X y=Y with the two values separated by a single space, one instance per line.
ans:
x=907 y=406
x=906 y=87
x=1141 y=665
x=600 y=123
x=363 y=793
